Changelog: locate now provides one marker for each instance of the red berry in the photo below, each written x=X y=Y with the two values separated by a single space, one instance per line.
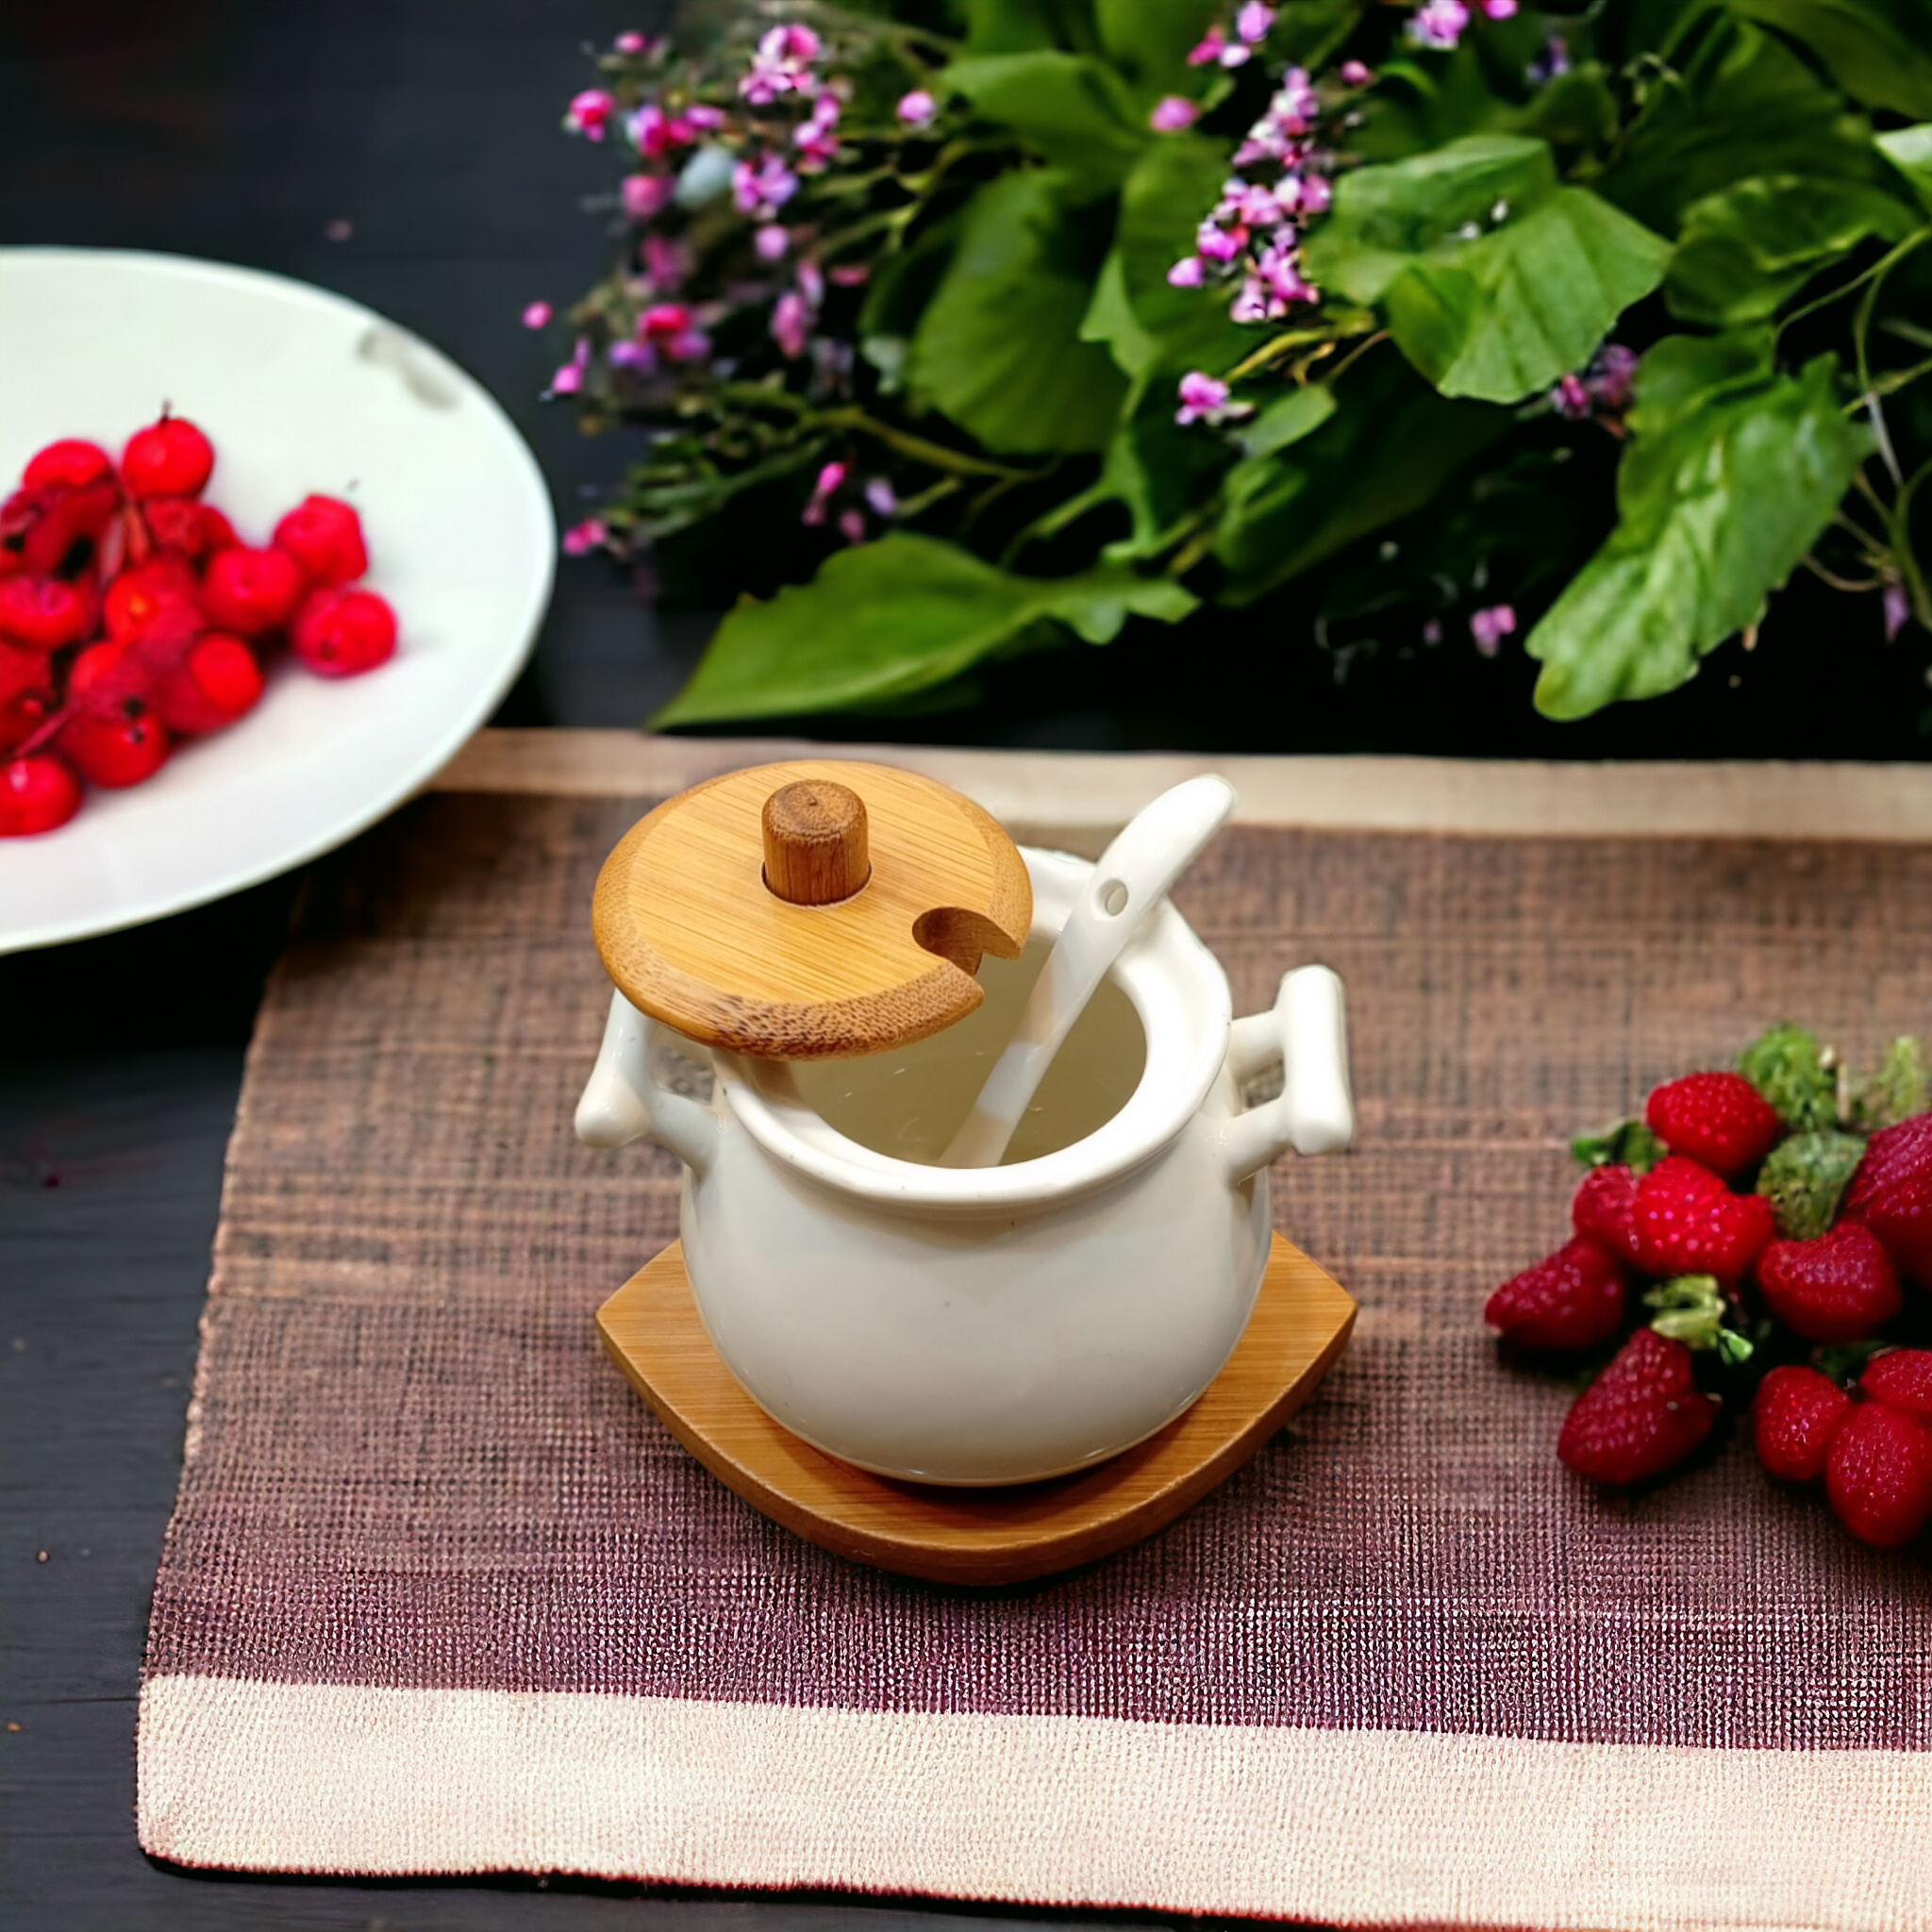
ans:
x=95 y=665
x=118 y=749
x=1576 y=1298
x=45 y=612
x=216 y=683
x=217 y=532
x=340 y=633
x=170 y=457
x=1838 y=1286
x=1878 y=1474
x=69 y=461
x=1720 y=1120
x=141 y=593
x=1901 y=1378
x=68 y=528
x=251 y=592
x=1796 y=1415
x=36 y=794
x=1641 y=1416
x=183 y=527
x=1892 y=1192
x=1688 y=1223
x=1605 y=1210
x=28 y=698
x=325 y=536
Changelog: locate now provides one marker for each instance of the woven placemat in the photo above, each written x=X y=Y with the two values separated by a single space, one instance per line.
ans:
x=441 y=1596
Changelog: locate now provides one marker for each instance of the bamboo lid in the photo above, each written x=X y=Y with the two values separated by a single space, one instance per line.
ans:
x=814 y=910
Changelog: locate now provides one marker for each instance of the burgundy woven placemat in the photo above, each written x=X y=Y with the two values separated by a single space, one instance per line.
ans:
x=441 y=1595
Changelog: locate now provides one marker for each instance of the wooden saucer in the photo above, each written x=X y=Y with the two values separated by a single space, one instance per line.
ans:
x=1301 y=1323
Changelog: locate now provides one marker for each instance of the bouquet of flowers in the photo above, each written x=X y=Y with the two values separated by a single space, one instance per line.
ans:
x=959 y=328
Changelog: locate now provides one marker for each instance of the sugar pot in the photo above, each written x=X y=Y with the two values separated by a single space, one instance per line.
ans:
x=962 y=1325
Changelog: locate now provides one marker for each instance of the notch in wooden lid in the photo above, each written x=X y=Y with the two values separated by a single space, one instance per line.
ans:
x=815 y=909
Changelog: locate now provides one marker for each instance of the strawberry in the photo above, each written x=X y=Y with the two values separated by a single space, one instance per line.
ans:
x=1641 y=1416
x=1719 y=1120
x=1837 y=1286
x=1794 y=1419
x=1574 y=1299
x=1901 y=1378
x=1605 y=1211
x=1891 y=1194
x=1688 y=1223
x=1878 y=1474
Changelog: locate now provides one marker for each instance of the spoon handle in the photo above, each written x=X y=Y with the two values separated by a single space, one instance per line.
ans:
x=1131 y=879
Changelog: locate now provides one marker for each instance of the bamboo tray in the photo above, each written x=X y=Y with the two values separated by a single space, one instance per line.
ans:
x=1301 y=1323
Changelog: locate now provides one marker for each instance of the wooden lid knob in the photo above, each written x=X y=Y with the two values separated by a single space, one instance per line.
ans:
x=816 y=851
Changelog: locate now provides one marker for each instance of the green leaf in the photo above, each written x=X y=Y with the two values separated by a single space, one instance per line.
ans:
x=1389 y=448
x=1016 y=27
x=1910 y=149
x=1385 y=218
x=1744 y=105
x=1693 y=1307
x=1719 y=496
x=1629 y=1143
x=1879 y=51
x=1073 y=111
x=1158 y=471
x=884 y=621
x=1786 y=1066
x=1111 y=318
x=1171 y=187
x=998 y=348
x=1503 y=316
x=1803 y=1177
x=1150 y=42
x=1291 y=415
x=1898 y=1089
x=1743 y=251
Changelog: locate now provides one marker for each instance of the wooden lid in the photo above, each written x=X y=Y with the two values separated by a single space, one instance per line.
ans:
x=811 y=911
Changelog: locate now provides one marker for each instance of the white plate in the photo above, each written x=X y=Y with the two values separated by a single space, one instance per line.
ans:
x=300 y=390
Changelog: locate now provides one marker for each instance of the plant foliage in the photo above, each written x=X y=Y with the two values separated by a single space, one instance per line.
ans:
x=965 y=327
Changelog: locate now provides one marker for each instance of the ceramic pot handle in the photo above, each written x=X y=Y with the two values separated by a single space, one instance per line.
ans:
x=622 y=1103
x=1306 y=1031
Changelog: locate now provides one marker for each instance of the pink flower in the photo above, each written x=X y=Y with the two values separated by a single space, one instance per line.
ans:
x=1898 y=611
x=1316 y=194
x=1490 y=627
x=568 y=380
x=851 y=525
x=589 y=112
x=1172 y=113
x=771 y=242
x=645 y=195
x=1205 y=400
x=1188 y=272
x=705 y=119
x=581 y=539
x=782 y=66
x=650 y=131
x=630 y=44
x=1611 y=377
x=1439 y=23
x=790 y=324
x=1570 y=398
x=851 y=274
x=1218 y=243
x=537 y=315
x=666 y=262
x=1500 y=10
x=638 y=357
x=1254 y=21
x=831 y=479
x=662 y=319
x=1209 y=48
x=814 y=139
x=762 y=189
x=916 y=108
x=811 y=284
x=881 y=497
x=1353 y=73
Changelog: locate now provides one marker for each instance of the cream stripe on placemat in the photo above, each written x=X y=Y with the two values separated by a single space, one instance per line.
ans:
x=1386 y=1828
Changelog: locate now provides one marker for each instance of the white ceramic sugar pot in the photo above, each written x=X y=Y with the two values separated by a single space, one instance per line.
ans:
x=980 y=1325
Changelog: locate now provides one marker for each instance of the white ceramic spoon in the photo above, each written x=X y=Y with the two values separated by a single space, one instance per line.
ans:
x=1131 y=879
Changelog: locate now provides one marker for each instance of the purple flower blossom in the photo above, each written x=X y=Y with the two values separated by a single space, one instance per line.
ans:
x=1555 y=59
x=1490 y=627
x=916 y=108
x=831 y=480
x=656 y=134
x=706 y=119
x=630 y=44
x=1189 y=272
x=1898 y=611
x=814 y=139
x=1570 y=398
x=1172 y=113
x=1254 y=21
x=771 y=242
x=811 y=284
x=1439 y=23
x=640 y=358
x=1204 y=399
x=881 y=497
x=790 y=324
x=568 y=380
x=761 y=189
x=1614 y=371
x=851 y=274
x=645 y=195
x=537 y=315
x=581 y=539
x=666 y=262
x=1213 y=46
x=782 y=66
x=851 y=525
x=667 y=326
x=589 y=113
x=1218 y=244
x=1353 y=73
x=1499 y=9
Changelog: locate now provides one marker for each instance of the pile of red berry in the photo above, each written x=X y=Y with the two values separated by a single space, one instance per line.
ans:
x=1767 y=1227
x=132 y=615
